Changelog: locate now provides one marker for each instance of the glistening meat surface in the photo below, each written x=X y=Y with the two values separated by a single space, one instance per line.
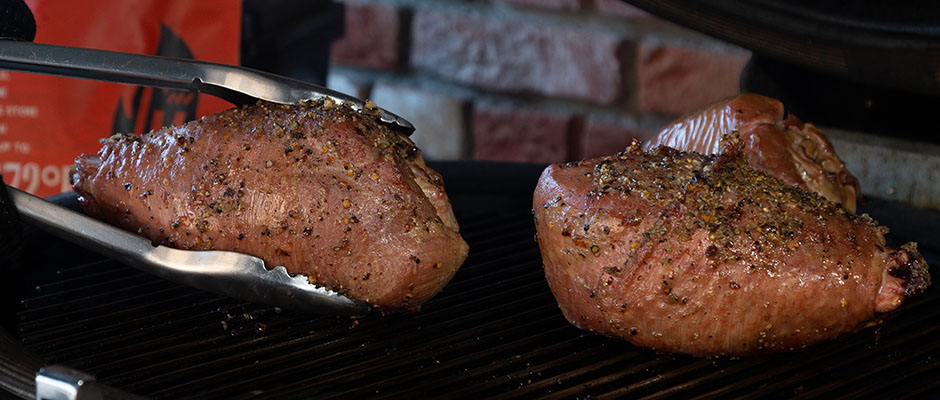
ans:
x=704 y=255
x=318 y=188
x=795 y=152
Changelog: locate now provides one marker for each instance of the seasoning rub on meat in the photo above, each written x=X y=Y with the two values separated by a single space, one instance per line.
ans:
x=793 y=151
x=704 y=255
x=316 y=187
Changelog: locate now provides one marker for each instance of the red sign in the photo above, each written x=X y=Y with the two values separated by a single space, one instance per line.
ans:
x=46 y=121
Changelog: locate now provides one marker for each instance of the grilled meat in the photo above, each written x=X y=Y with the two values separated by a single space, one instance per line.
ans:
x=788 y=149
x=704 y=255
x=316 y=187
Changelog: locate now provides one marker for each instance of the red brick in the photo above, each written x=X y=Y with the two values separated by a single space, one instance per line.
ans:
x=675 y=80
x=523 y=135
x=439 y=119
x=561 y=5
x=372 y=38
x=606 y=136
x=513 y=56
x=618 y=8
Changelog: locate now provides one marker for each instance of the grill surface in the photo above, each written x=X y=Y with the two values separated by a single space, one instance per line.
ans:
x=495 y=331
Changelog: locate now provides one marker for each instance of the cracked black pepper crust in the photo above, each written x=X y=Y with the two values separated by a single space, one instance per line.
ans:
x=309 y=186
x=705 y=255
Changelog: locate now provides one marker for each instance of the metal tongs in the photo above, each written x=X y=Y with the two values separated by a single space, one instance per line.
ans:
x=224 y=272
x=237 y=85
x=232 y=274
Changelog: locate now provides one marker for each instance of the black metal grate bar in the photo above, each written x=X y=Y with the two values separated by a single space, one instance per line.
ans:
x=494 y=332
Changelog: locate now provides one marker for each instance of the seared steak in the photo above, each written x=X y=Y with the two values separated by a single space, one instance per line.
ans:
x=318 y=188
x=794 y=152
x=687 y=253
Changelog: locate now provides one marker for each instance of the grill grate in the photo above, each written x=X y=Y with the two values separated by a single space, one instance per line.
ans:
x=495 y=331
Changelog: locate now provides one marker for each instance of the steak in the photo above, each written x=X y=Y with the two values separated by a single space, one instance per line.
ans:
x=795 y=152
x=682 y=252
x=316 y=187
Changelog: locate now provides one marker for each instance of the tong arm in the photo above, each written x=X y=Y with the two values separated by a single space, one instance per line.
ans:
x=237 y=85
x=232 y=274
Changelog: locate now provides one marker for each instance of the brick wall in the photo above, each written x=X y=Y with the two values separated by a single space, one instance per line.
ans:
x=528 y=80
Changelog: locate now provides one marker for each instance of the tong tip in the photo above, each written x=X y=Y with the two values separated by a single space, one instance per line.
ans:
x=313 y=297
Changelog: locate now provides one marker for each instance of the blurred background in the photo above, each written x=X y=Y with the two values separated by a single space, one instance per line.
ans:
x=562 y=80
x=528 y=80
x=533 y=81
